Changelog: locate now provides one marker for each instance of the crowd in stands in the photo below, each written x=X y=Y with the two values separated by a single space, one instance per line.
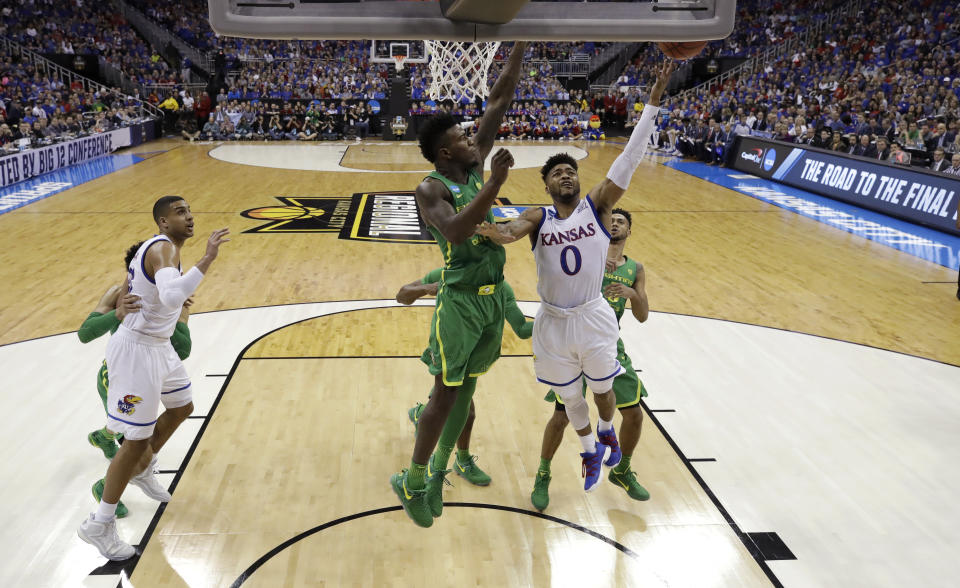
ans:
x=885 y=86
x=762 y=23
x=85 y=28
x=222 y=119
x=883 y=82
x=36 y=110
x=307 y=79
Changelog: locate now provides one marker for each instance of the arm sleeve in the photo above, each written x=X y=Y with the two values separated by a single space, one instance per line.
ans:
x=97 y=325
x=433 y=277
x=181 y=341
x=174 y=289
x=514 y=315
x=626 y=163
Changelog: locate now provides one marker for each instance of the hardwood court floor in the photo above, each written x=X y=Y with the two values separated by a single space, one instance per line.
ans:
x=708 y=252
x=311 y=422
x=289 y=433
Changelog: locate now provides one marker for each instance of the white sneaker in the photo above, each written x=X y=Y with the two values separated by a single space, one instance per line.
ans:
x=147 y=481
x=104 y=537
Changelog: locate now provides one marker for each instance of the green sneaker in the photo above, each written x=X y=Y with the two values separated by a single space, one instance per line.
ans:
x=100 y=441
x=414 y=415
x=414 y=501
x=471 y=472
x=98 y=492
x=628 y=480
x=435 y=481
x=540 y=496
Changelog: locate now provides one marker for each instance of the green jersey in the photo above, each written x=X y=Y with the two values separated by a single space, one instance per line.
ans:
x=626 y=274
x=478 y=261
x=511 y=312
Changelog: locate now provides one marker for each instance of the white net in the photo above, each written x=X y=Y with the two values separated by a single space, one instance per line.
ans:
x=458 y=69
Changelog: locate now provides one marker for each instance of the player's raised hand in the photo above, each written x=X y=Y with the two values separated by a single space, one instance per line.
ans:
x=217 y=238
x=500 y=165
x=663 y=78
x=611 y=264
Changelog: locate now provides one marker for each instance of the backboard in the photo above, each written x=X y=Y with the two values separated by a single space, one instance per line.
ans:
x=384 y=50
x=639 y=20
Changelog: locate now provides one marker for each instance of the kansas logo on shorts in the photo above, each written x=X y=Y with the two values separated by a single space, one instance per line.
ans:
x=126 y=405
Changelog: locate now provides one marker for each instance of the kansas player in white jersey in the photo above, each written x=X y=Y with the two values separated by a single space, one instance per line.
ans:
x=145 y=371
x=575 y=332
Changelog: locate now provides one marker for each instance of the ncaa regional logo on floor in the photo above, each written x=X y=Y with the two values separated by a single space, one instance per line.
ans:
x=391 y=217
x=301 y=215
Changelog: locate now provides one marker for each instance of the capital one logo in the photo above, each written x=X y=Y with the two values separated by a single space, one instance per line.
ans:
x=754 y=155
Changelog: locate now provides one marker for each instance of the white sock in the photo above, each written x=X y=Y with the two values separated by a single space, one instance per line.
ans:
x=604 y=425
x=106 y=512
x=589 y=443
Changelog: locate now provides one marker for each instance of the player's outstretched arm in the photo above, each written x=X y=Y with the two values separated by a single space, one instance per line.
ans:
x=514 y=230
x=457 y=227
x=606 y=194
x=514 y=316
x=501 y=95
x=410 y=293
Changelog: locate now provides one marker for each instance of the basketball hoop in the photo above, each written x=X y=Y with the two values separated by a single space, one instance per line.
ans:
x=458 y=70
x=399 y=59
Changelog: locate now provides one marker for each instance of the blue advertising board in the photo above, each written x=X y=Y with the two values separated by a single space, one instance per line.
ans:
x=911 y=194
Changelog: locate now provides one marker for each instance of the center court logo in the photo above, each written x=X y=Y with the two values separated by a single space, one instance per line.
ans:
x=389 y=217
x=392 y=217
x=769 y=159
x=301 y=215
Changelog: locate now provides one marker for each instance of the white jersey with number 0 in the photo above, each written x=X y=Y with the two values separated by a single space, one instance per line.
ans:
x=154 y=318
x=571 y=255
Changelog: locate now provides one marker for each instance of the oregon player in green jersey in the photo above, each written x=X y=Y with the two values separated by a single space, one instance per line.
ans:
x=467 y=325
x=623 y=280
x=465 y=465
x=106 y=318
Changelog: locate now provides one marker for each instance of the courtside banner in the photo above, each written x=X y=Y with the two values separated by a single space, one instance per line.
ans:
x=908 y=193
x=34 y=162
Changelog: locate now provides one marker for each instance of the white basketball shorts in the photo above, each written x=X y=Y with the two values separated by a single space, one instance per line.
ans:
x=143 y=371
x=573 y=342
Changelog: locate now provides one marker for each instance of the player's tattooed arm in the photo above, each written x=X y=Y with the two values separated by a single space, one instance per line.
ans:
x=504 y=233
x=410 y=293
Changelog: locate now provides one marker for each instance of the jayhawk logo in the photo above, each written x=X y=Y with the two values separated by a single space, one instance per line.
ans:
x=126 y=405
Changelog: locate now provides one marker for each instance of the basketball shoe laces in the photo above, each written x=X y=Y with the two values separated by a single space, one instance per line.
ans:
x=591 y=464
x=610 y=440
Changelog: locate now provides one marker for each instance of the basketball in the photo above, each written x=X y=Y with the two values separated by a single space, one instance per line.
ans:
x=683 y=49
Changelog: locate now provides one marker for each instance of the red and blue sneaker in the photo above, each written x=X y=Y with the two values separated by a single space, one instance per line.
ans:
x=609 y=438
x=593 y=465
